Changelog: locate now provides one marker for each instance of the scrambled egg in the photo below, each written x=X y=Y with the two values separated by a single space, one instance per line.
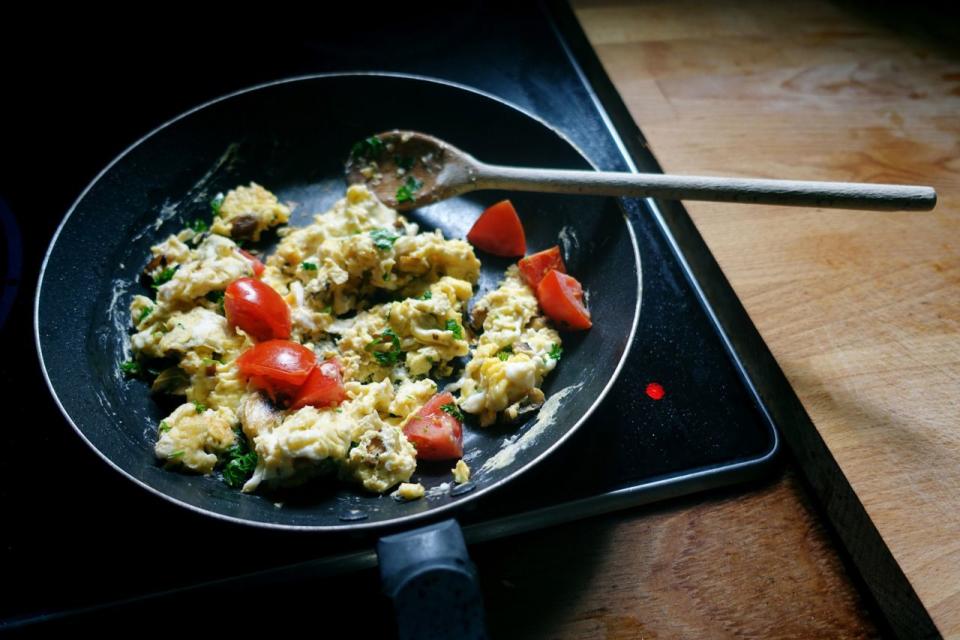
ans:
x=363 y=286
x=246 y=212
x=512 y=356
x=192 y=438
x=461 y=472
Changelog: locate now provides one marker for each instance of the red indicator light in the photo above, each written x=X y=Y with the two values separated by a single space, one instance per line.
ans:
x=655 y=391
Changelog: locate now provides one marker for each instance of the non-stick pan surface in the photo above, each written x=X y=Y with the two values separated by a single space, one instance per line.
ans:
x=292 y=137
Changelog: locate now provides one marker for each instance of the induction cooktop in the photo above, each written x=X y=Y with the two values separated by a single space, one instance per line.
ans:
x=683 y=416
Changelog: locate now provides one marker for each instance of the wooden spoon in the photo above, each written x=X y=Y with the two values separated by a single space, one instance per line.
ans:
x=408 y=169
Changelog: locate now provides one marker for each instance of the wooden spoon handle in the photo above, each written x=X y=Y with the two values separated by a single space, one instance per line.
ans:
x=838 y=195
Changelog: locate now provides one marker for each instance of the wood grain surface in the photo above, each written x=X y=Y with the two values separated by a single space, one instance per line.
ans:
x=861 y=310
x=753 y=562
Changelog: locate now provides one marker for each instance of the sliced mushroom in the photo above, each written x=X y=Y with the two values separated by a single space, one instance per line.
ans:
x=528 y=404
x=477 y=316
x=244 y=227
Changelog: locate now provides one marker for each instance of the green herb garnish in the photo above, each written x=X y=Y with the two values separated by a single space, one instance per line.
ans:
x=200 y=407
x=406 y=191
x=241 y=462
x=165 y=426
x=308 y=266
x=144 y=313
x=130 y=367
x=328 y=309
x=426 y=295
x=455 y=328
x=176 y=454
x=505 y=353
x=453 y=410
x=383 y=239
x=370 y=148
x=386 y=358
x=198 y=226
x=555 y=351
x=405 y=162
x=164 y=276
x=215 y=203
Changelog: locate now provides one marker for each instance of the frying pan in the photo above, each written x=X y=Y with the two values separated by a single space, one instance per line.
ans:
x=293 y=136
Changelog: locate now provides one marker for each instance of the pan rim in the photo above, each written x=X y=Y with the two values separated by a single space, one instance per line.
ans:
x=365 y=527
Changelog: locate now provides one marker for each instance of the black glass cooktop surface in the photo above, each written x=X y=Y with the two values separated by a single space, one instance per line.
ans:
x=682 y=417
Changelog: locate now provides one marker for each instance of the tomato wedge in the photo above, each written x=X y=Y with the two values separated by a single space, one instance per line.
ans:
x=279 y=367
x=323 y=387
x=561 y=298
x=498 y=231
x=534 y=267
x=255 y=261
x=436 y=434
x=256 y=308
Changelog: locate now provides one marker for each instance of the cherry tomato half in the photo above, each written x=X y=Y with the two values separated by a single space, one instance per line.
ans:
x=498 y=231
x=323 y=387
x=436 y=434
x=534 y=267
x=256 y=308
x=279 y=367
x=561 y=298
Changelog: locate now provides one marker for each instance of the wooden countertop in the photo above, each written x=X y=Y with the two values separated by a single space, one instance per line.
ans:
x=861 y=310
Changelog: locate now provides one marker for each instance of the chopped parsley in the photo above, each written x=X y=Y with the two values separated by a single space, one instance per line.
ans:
x=165 y=426
x=426 y=295
x=386 y=358
x=455 y=329
x=144 y=313
x=369 y=148
x=176 y=454
x=383 y=239
x=386 y=276
x=241 y=462
x=308 y=266
x=200 y=407
x=328 y=309
x=405 y=162
x=198 y=226
x=164 y=276
x=453 y=410
x=555 y=351
x=505 y=353
x=215 y=203
x=406 y=191
x=130 y=367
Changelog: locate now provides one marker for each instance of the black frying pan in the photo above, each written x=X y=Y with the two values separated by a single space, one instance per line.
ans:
x=292 y=137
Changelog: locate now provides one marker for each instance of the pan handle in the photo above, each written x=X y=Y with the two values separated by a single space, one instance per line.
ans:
x=428 y=575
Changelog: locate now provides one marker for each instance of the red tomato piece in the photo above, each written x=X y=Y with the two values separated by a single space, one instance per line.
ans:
x=323 y=387
x=561 y=298
x=498 y=231
x=255 y=261
x=257 y=309
x=279 y=367
x=436 y=434
x=534 y=267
